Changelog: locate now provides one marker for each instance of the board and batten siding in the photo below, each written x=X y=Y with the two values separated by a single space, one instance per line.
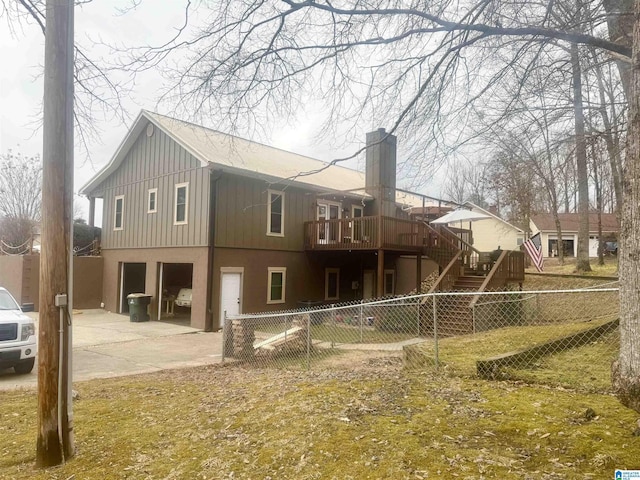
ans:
x=242 y=209
x=155 y=161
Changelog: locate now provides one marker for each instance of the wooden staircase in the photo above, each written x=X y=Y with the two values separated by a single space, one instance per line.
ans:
x=468 y=283
x=453 y=254
x=455 y=316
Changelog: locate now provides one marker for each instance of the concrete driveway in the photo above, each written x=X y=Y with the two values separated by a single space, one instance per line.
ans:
x=106 y=345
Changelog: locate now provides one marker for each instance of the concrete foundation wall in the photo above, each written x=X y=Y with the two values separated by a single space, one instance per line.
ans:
x=152 y=257
x=304 y=279
x=406 y=273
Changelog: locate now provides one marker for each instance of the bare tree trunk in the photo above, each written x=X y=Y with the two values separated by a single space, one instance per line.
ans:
x=597 y=180
x=559 y=244
x=582 y=261
x=626 y=370
x=620 y=26
x=612 y=148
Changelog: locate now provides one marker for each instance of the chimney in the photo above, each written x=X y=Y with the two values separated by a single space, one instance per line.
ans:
x=380 y=173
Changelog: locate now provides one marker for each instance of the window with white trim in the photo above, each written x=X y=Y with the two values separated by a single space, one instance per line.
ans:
x=152 y=200
x=181 y=205
x=275 y=213
x=277 y=284
x=389 y=282
x=331 y=283
x=118 y=216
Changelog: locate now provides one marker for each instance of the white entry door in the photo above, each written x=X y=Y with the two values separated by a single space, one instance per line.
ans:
x=230 y=294
x=328 y=232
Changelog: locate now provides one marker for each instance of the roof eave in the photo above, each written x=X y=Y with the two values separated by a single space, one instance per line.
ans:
x=132 y=135
x=473 y=205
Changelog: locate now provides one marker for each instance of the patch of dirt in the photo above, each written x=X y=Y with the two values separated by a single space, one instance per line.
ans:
x=363 y=361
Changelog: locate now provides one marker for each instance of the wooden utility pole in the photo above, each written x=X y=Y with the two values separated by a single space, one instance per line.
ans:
x=55 y=439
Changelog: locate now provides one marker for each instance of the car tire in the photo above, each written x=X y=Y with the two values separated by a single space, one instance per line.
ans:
x=25 y=366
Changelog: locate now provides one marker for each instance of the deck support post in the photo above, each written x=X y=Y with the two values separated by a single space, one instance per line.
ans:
x=380 y=282
x=419 y=273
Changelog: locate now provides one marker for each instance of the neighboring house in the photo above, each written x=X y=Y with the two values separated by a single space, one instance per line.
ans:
x=494 y=232
x=569 y=223
x=186 y=206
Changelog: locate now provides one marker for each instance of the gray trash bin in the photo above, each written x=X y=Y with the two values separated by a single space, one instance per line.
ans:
x=138 y=303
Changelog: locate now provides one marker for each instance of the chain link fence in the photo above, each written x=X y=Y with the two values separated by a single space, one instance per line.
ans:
x=561 y=336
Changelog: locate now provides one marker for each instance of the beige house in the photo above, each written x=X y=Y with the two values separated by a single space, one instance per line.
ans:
x=569 y=224
x=487 y=233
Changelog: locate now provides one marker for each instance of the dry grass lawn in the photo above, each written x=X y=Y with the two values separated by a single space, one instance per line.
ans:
x=609 y=269
x=353 y=416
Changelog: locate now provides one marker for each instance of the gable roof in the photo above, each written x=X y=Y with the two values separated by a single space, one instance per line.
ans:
x=237 y=155
x=493 y=215
x=570 y=222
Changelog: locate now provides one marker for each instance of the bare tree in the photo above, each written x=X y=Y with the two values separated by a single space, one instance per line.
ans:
x=467 y=181
x=99 y=90
x=513 y=180
x=20 y=193
x=612 y=116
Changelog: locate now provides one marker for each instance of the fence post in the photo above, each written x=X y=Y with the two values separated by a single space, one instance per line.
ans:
x=225 y=328
x=473 y=318
x=418 y=317
x=285 y=320
x=361 y=316
x=435 y=329
x=333 y=330
x=308 y=341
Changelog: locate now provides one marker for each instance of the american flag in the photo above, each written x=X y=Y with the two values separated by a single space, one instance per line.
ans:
x=533 y=246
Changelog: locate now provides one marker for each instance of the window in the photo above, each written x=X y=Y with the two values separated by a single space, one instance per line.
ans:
x=152 y=205
x=118 y=213
x=277 y=285
x=275 y=219
x=389 y=282
x=182 y=204
x=332 y=283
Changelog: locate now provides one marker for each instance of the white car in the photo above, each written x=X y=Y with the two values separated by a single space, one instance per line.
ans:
x=17 y=336
x=184 y=298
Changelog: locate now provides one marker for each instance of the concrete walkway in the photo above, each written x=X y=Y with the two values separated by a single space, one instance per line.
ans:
x=106 y=345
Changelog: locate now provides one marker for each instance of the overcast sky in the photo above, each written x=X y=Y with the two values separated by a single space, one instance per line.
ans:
x=22 y=54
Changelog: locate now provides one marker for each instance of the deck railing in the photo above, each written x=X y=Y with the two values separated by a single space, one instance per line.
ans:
x=366 y=233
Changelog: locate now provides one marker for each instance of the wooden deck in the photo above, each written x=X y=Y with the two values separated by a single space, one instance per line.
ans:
x=367 y=233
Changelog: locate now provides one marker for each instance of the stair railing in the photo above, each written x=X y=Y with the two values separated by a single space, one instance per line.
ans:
x=469 y=257
x=497 y=277
x=447 y=244
x=448 y=276
x=462 y=240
